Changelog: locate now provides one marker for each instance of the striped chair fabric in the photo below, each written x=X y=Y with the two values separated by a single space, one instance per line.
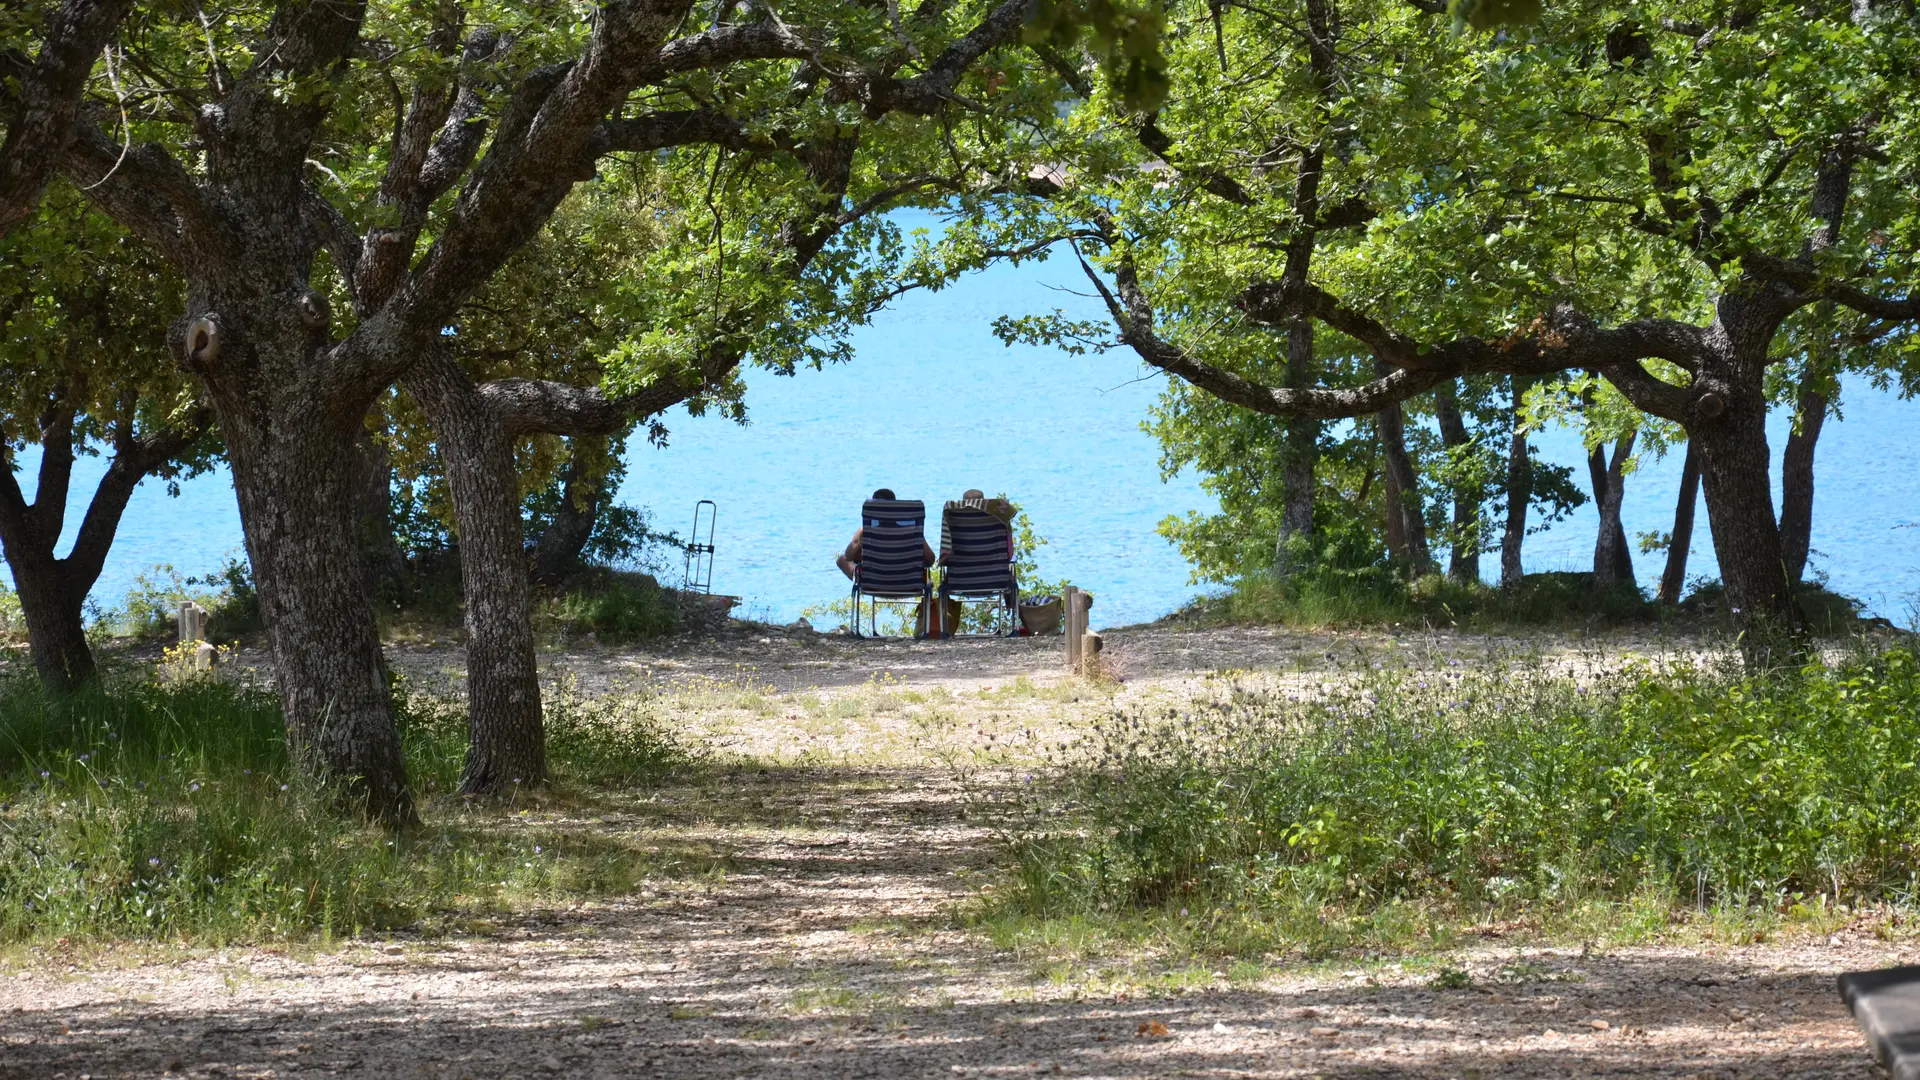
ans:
x=892 y=539
x=980 y=561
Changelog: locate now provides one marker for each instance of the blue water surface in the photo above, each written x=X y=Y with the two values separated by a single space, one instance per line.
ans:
x=933 y=404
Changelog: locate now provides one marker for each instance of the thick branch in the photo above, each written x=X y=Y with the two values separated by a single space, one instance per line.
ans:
x=928 y=93
x=1562 y=338
x=130 y=465
x=42 y=118
x=1799 y=274
x=730 y=44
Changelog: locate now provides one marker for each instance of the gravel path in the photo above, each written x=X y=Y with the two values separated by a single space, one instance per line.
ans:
x=822 y=940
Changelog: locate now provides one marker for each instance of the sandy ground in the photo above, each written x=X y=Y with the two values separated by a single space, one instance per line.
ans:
x=824 y=937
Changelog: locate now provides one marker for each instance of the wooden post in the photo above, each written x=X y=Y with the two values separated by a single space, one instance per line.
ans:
x=192 y=626
x=1070 y=616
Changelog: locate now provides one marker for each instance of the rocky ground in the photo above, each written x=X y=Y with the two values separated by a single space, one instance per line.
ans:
x=816 y=929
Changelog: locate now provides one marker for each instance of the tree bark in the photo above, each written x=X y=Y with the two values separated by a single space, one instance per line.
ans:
x=506 y=747
x=1464 y=564
x=1612 y=559
x=557 y=551
x=1796 y=483
x=1404 y=514
x=1674 y=578
x=1519 y=493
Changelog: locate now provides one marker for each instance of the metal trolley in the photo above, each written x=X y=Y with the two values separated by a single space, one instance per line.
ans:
x=699 y=575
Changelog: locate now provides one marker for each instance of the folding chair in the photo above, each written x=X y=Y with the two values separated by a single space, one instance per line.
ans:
x=979 y=563
x=892 y=568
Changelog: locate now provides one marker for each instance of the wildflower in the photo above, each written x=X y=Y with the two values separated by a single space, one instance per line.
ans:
x=283 y=787
x=84 y=757
x=153 y=861
x=195 y=786
x=44 y=774
x=536 y=849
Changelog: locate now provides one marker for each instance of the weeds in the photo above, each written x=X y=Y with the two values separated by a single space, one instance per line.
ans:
x=1409 y=807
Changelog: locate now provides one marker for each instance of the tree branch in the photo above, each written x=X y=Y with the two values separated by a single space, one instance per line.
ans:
x=41 y=125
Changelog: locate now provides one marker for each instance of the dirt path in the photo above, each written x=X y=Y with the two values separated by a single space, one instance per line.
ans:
x=816 y=935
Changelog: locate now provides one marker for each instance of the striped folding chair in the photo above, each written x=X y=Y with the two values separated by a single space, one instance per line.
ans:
x=892 y=568
x=979 y=566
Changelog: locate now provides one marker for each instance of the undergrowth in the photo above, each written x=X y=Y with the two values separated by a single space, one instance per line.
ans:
x=1402 y=808
x=1558 y=599
x=142 y=810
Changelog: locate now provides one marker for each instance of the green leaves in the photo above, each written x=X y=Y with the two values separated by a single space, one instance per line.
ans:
x=1124 y=39
x=1487 y=14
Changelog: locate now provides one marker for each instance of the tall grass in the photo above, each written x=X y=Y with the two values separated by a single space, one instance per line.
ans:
x=1485 y=792
x=170 y=811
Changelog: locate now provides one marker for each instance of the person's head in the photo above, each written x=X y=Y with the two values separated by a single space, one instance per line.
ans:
x=883 y=493
x=974 y=493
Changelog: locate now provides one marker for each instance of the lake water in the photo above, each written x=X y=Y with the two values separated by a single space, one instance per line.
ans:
x=933 y=404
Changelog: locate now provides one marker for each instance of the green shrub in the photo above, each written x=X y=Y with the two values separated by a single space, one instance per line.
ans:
x=617 y=607
x=1328 y=599
x=1502 y=788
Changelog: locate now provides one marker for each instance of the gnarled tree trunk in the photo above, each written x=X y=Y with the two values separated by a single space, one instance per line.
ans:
x=1406 y=521
x=1464 y=565
x=1796 y=483
x=53 y=591
x=1612 y=560
x=556 y=553
x=1728 y=423
x=506 y=747
x=1519 y=493
x=381 y=558
x=1674 y=578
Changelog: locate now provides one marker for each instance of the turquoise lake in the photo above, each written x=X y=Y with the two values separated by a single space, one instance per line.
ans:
x=934 y=404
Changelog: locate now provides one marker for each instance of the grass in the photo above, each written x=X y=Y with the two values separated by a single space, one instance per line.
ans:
x=170 y=812
x=1414 y=811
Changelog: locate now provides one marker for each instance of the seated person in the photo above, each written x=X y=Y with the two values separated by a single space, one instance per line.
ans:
x=975 y=499
x=849 y=560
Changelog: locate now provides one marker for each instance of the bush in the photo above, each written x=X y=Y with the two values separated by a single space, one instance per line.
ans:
x=1328 y=599
x=1502 y=789
x=141 y=810
x=617 y=607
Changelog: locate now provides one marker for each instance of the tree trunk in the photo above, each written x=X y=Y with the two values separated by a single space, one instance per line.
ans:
x=1612 y=560
x=506 y=745
x=557 y=552
x=1464 y=564
x=1675 y=577
x=1746 y=539
x=294 y=475
x=1403 y=492
x=53 y=591
x=1300 y=452
x=384 y=563
x=56 y=628
x=1519 y=493
x=1796 y=483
